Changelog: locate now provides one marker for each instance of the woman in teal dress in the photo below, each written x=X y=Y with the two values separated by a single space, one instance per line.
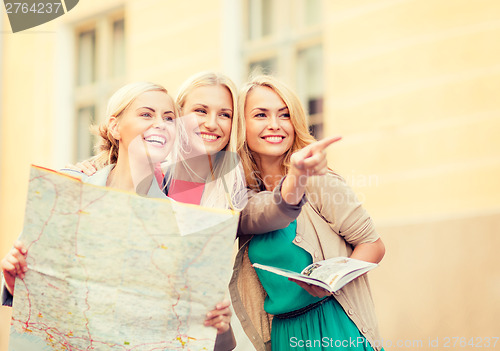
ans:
x=299 y=212
x=325 y=318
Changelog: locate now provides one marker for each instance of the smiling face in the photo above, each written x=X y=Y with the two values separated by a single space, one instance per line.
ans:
x=269 y=130
x=146 y=128
x=213 y=107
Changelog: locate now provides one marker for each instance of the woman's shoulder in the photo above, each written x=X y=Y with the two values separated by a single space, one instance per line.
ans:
x=330 y=190
x=100 y=177
x=74 y=173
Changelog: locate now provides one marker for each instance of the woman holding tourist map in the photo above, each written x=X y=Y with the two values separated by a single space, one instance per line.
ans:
x=139 y=132
x=205 y=170
x=299 y=212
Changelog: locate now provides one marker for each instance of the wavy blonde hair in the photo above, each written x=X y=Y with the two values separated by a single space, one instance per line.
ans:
x=227 y=190
x=298 y=119
x=107 y=146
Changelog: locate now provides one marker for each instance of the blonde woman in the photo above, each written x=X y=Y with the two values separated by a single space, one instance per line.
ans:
x=204 y=168
x=208 y=169
x=138 y=134
x=299 y=212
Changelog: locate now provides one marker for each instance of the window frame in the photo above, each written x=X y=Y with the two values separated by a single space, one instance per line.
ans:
x=96 y=93
x=289 y=36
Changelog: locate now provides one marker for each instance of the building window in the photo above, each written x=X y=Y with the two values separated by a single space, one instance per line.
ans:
x=100 y=70
x=86 y=57
x=288 y=44
x=118 y=42
x=310 y=85
x=312 y=12
x=260 y=18
x=265 y=66
x=84 y=140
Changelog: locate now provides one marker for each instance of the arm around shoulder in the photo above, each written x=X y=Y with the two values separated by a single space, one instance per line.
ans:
x=266 y=211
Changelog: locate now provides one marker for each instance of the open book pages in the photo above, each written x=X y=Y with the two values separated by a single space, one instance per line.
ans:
x=331 y=274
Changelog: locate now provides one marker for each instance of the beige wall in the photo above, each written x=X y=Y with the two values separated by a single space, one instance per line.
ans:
x=414 y=89
x=24 y=137
x=412 y=86
x=439 y=279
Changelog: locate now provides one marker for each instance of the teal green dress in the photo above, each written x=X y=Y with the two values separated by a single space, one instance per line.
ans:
x=324 y=327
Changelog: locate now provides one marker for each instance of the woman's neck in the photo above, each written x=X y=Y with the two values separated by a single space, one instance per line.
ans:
x=131 y=176
x=270 y=170
x=196 y=169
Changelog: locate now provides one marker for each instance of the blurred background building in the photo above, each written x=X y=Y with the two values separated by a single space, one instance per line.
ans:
x=412 y=86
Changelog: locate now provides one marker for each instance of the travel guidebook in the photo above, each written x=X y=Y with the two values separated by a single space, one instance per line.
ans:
x=331 y=274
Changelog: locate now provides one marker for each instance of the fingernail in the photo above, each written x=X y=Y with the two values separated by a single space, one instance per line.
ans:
x=209 y=314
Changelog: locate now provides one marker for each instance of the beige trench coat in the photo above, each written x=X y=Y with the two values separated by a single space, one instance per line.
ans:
x=330 y=223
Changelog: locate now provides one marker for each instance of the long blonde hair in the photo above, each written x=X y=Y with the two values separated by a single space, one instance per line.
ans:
x=107 y=146
x=297 y=117
x=227 y=188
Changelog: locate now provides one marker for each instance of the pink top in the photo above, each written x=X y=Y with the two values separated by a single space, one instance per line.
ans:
x=159 y=174
x=186 y=192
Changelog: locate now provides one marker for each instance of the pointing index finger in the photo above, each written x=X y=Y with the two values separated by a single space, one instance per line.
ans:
x=325 y=142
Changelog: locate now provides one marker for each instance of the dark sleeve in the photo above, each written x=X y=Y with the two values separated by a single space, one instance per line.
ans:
x=266 y=211
x=6 y=295
x=165 y=184
x=226 y=341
